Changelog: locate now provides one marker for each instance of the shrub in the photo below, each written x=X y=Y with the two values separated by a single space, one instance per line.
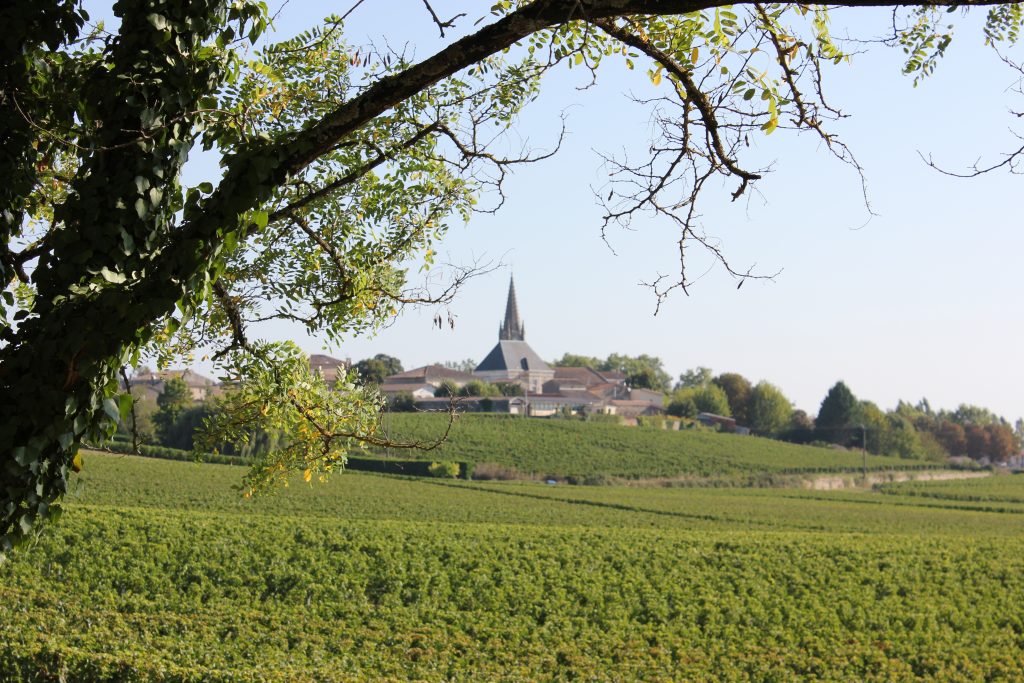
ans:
x=444 y=470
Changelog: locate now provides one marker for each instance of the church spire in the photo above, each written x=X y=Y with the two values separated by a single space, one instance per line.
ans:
x=512 y=329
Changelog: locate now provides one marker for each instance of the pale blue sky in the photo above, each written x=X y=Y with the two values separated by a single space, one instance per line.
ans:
x=925 y=299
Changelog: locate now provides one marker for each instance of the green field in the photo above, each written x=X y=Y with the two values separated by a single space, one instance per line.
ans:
x=999 y=489
x=159 y=572
x=570 y=448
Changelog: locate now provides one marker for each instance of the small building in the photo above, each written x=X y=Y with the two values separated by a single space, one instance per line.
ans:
x=331 y=369
x=199 y=387
x=726 y=424
x=431 y=375
x=417 y=391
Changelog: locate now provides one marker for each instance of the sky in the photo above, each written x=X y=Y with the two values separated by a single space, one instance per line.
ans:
x=923 y=299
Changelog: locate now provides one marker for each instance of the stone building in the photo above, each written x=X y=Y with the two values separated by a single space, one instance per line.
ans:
x=512 y=359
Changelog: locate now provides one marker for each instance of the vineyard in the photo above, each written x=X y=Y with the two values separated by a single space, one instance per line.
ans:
x=1002 y=489
x=570 y=448
x=160 y=572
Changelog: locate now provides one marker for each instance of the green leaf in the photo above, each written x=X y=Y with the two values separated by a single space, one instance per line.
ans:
x=25 y=523
x=158 y=21
x=112 y=408
x=111 y=276
x=124 y=408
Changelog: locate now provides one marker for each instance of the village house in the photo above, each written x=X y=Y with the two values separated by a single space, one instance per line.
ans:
x=546 y=390
x=148 y=381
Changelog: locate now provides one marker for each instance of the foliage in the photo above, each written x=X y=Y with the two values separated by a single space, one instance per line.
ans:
x=477 y=387
x=465 y=365
x=341 y=169
x=447 y=388
x=509 y=388
x=374 y=370
x=694 y=378
x=171 y=403
x=737 y=389
x=572 y=360
x=682 y=405
x=708 y=398
x=836 y=415
x=872 y=427
x=181 y=433
x=276 y=391
x=139 y=420
x=642 y=372
x=402 y=403
x=898 y=437
x=769 y=409
x=444 y=470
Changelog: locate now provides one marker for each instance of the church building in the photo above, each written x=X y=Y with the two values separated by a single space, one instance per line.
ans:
x=512 y=360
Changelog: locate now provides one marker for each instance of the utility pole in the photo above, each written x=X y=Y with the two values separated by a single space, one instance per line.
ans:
x=864 y=452
x=525 y=365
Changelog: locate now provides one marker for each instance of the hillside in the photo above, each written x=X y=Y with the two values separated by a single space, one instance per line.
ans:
x=571 y=448
x=160 y=572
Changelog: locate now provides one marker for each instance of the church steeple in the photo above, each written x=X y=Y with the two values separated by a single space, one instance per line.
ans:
x=512 y=329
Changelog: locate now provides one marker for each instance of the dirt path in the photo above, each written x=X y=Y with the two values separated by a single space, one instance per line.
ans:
x=846 y=481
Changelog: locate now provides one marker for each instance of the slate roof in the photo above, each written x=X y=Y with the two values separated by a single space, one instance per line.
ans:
x=509 y=354
x=512 y=329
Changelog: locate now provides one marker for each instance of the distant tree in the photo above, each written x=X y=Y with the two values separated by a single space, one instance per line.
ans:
x=572 y=360
x=647 y=378
x=931 y=449
x=835 y=415
x=900 y=438
x=682 y=406
x=706 y=399
x=1001 y=441
x=447 y=388
x=509 y=388
x=872 y=420
x=768 y=409
x=642 y=372
x=465 y=365
x=966 y=414
x=140 y=420
x=952 y=437
x=694 y=377
x=374 y=370
x=800 y=428
x=478 y=388
x=978 y=445
x=799 y=419
x=171 y=403
x=181 y=432
x=738 y=389
x=402 y=403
